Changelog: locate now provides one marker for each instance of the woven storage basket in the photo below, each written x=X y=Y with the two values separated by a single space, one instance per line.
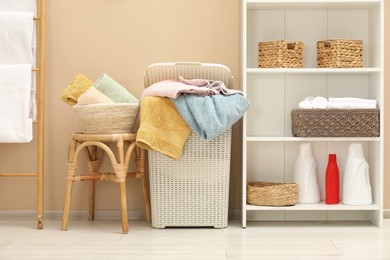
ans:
x=272 y=194
x=107 y=118
x=280 y=54
x=335 y=122
x=340 y=53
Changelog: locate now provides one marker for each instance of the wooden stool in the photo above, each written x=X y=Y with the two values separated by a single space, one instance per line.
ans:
x=95 y=146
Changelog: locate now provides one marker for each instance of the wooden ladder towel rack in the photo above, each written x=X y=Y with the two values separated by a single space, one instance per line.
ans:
x=39 y=122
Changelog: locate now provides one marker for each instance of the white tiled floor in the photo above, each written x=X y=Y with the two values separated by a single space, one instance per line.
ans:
x=102 y=239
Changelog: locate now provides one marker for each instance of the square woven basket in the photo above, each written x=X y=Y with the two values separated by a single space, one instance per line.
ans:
x=340 y=53
x=272 y=194
x=280 y=54
x=335 y=122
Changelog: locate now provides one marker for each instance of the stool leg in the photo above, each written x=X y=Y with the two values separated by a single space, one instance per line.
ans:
x=140 y=163
x=145 y=186
x=125 y=224
x=68 y=194
x=94 y=163
x=91 y=207
x=146 y=198
x=69 y=184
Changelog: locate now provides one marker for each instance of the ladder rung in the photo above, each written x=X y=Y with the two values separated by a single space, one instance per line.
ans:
x=17 y=174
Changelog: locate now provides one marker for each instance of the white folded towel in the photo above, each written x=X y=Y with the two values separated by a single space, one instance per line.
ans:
x=351 y=102
x=348 y=106
x=15 y=87
x=309 y=98
x=16 y=38
x=305 y=104
x=18 y=6
x=319 y=102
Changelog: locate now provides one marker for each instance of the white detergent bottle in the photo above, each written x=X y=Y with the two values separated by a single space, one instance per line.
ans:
x=356 y=186
x=305 y=175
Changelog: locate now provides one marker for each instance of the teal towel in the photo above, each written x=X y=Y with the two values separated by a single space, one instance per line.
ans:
x=211 y=115
x=114 y=90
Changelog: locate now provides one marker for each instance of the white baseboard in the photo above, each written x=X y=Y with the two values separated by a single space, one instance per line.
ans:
x=386 y=213
x=134 y=214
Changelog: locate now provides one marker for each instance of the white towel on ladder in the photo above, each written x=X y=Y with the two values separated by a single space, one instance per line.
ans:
x=16 y=38
x=15 y=87
x=18 y=6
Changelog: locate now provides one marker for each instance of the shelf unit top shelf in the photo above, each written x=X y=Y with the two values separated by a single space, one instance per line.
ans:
x=310 y=139
x=260 y=71
x=317 y=206
x=308 y=4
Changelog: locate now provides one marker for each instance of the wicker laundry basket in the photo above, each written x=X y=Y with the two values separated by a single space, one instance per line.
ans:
x=107 y=118
x=340 y=53
x=280 y=54
x=335 y=122
x=194 y=190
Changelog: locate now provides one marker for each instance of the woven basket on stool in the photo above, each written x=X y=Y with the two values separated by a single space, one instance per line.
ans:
x=272 y=194
x=107 y=118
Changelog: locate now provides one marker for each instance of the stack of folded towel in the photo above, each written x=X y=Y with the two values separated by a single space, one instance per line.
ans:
x=311 y=102
x=81 y=91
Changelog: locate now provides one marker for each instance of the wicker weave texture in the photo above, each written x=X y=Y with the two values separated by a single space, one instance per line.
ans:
x=280 y=54
x=193 y=191
x=335 y=122
x=272 y=194
x=340 y=53
x=107 y=118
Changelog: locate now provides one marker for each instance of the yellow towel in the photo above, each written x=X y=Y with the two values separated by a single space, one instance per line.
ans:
x=161 y=127
x=77 y=87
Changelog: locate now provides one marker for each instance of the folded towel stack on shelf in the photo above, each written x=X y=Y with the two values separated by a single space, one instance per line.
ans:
x=337 y=103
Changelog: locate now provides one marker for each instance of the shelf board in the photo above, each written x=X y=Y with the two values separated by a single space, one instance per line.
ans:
x=311 y=139
x=317 y=206
x=260 y=71
x=309 y=4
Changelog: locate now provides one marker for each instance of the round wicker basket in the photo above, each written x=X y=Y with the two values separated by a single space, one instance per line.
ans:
x=107 y=118
x=272 y=194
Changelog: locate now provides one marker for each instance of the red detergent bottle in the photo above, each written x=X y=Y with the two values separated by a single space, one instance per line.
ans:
x=332 y=181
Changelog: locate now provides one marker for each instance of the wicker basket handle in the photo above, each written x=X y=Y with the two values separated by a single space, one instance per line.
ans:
x=188 y=63
x=291 y=46
x=327 y=44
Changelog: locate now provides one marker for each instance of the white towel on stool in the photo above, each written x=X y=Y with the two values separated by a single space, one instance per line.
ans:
x=16 y=38
x=15 y=87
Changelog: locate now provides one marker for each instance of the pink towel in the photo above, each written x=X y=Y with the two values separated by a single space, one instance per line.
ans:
x=201 y=87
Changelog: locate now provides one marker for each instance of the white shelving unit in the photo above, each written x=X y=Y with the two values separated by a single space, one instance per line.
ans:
x=269 y=149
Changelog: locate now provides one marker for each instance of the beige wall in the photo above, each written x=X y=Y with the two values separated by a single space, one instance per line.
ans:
x=121 y=38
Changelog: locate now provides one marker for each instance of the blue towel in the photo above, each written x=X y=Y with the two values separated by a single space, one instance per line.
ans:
x=211 y=115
